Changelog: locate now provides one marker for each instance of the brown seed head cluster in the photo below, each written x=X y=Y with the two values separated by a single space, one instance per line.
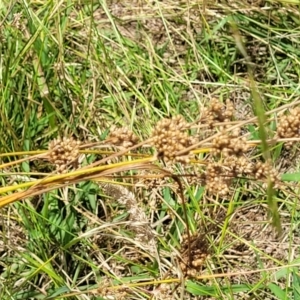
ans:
x=218 y=111
x=18 y=21
x=219 y=175
x=123 y=137
x=264 y=170
x=169 y=137
x=240 y=166
x=217 y=179
x=63 y=152
x=199 y=253
x=229 y=144
x=289 y=126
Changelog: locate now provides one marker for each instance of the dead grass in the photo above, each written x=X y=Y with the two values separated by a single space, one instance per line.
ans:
x=177 y=215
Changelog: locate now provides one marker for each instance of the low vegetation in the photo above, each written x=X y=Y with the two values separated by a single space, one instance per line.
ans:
x=149 y=150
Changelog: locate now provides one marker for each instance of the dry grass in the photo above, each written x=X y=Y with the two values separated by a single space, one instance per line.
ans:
x=171 y=130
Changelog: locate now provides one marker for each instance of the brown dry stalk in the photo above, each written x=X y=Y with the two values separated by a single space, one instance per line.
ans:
x=47 y=184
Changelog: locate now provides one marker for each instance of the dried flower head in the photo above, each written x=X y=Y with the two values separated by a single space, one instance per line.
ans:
x=169 y=137
x=217 y=179
x=229 y=144
x=218 y=111
x=122 y=137
x=63 y=152
x=199 y=253
x=289 y=126
x=265 y=170
x=240 y=166
x=18 y=21
x=139 y=221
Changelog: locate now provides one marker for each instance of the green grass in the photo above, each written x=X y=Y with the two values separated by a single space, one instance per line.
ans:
x=76 y=68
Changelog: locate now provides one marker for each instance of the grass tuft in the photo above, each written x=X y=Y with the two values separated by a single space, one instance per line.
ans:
x=143 y=146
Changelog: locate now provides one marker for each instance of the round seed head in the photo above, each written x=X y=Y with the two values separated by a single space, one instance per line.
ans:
x=123 y=137
x=63 y=152
x=169 y=137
